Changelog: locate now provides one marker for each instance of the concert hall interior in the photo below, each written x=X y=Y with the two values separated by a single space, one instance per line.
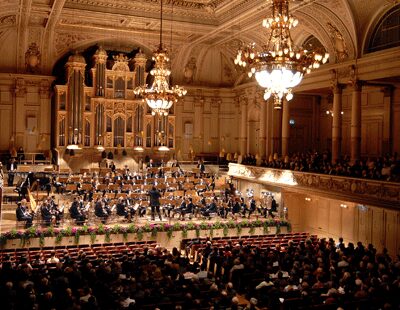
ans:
x=240 y=154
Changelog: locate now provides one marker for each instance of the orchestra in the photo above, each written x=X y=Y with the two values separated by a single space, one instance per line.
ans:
x=125 y=196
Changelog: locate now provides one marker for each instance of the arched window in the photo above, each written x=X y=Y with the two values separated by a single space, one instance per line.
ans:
x=387 y=32
x=119 y=131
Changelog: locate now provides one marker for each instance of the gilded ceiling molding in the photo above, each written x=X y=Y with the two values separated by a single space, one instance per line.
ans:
x=321 y=17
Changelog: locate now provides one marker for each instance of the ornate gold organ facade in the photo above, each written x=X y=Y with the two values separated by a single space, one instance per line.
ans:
x=108 y=113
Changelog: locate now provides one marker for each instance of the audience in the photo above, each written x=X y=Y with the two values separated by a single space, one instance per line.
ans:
x=309 y=273
x=385 y=168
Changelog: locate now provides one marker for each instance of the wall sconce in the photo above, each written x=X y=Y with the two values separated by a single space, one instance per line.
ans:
x=307 y=199
x=330 y=112
x=344 y=206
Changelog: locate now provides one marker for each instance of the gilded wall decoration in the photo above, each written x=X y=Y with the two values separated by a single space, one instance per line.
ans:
x=365 y=190
x=32 y=58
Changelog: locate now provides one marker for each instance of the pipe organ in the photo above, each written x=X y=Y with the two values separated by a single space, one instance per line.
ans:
x=108 y=113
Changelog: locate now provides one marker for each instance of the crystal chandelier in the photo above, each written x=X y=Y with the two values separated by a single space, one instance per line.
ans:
x=160 y=97
x=280 y=65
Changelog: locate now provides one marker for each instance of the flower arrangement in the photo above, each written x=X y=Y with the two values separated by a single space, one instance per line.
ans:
x=139 y=230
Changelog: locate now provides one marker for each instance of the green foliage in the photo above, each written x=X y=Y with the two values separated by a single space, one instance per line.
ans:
x=225 y=230
x=139 y=234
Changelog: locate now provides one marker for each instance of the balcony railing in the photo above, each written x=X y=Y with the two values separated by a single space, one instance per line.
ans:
x=363 y=191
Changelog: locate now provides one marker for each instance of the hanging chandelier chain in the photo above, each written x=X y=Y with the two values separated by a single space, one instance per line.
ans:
x=160 y=96
x=161 y=24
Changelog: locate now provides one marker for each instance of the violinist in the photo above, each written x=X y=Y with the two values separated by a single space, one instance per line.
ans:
x=23 y=213
x=124 y=210
x=212 y=208
x=76 y=211
x=48 y=217
x=55 y=210
x=101 y=211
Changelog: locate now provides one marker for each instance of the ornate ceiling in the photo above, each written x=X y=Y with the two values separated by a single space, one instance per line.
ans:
x=202 y=34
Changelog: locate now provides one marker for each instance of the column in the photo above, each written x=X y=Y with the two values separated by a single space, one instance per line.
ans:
x=285 y=128
x=198 y=125
x=269 y=129
x=387 y=122
x=355 y=132
x=337 y=123
x=243 y=127
x=263 y=129
x=277 y=131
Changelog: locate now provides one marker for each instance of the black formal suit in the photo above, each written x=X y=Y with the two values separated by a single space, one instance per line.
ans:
x=76 y=213
x=11 y=167
x=155 y=203
x=23 y=214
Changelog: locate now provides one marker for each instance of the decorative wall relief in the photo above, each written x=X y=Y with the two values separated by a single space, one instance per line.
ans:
x=190 y=70
x=32 y=58
x=338 y=42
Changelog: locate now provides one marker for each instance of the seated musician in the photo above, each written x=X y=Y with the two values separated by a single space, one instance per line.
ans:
x=23 y=188
x=23 y=213
x=55 y=209
x=236 y=207
x=124 y=210
x=188 y=209
x=252 y=207
x=107 y=202
x=168 y=208
x=47 y=215
x=60 y=187
x=262 y=210
x=212 y=208
x=101 y=211
x=76 y=211
x=179 y=209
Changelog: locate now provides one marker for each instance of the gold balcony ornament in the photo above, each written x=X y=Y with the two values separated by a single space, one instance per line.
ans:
x=280 y=65
x=160 y=96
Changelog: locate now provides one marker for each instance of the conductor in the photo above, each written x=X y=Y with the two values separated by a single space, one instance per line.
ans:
x=155 y=202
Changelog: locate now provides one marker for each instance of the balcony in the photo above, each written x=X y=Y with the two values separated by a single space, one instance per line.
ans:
x=363 y=191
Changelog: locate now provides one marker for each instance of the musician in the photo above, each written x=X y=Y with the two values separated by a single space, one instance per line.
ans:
x=23 y=188
x=212 y=208
x=236 y=207
x=252 y=207
x=223 y=209
x=155 y=202
x=76 y=211
x=107 y=201
x=273 y=206
x=168 y=208
x=23 y=213
x=101 y=211
x=200 y=165
x=112 y=166
x=12 y=169
x=55 y=210
x=123 y=209
x=47 y=215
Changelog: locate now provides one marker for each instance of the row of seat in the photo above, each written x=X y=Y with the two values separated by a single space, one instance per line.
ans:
x=92 y=251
